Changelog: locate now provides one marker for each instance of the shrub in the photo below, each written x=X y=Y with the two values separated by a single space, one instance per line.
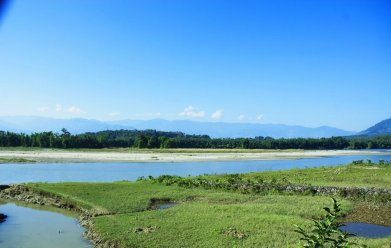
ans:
x=326 y=232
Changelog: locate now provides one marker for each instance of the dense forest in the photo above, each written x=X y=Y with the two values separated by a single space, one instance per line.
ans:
x=158 y=139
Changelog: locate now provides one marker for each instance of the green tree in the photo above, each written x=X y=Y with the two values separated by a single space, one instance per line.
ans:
x=246 y=143
x=141 y=141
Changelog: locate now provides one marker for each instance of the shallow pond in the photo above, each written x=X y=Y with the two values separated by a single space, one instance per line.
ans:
x=27 y=226
x=108 y=172
x=168 y=205
x=367 y=230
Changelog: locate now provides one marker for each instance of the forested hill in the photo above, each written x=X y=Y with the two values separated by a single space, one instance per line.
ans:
x=159 y=139
x=381 y=128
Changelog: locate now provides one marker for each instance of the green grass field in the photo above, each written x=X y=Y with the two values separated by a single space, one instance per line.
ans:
x=351 y=175
x=199 y=219
x=215 y=218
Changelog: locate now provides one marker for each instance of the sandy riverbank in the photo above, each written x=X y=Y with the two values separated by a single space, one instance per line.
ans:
x=172 y=156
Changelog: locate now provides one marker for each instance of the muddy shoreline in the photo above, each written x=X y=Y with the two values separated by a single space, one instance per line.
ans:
x=25 y=194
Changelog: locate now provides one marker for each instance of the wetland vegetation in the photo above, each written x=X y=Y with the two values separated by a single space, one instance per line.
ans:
x=223 y=211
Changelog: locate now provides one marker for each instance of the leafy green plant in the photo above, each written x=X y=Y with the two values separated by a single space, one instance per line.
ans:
x=326 y=232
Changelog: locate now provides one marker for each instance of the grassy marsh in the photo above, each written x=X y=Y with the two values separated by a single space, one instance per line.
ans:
x=222 y=217
x=203 y=218
x=343 y=176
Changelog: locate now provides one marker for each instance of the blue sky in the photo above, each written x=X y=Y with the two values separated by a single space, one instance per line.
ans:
x=307 y=63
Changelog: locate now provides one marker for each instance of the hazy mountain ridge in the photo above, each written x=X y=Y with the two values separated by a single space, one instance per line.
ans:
x=29 y=124
x=234 y=130
x=381 y=128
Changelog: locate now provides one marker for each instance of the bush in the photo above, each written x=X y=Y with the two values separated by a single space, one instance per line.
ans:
x=326 y=232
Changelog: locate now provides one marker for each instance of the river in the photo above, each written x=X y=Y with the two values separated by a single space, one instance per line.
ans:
x=116 y=171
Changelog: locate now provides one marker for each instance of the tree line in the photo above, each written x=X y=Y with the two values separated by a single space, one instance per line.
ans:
x=159 y=139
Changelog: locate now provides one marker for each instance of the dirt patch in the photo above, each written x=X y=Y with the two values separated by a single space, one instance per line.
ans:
x=234 y=233
x=370 y=213
x=148 y=229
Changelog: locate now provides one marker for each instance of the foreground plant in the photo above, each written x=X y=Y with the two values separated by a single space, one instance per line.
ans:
x=326 y=232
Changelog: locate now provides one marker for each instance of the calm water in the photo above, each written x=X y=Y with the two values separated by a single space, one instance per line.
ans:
x=26 y=227
x=367 y=230
x=108 y=172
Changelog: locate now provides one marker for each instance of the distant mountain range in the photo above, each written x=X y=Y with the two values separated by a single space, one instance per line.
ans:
x=29 y=124
x=381 y=128
x=234 y=130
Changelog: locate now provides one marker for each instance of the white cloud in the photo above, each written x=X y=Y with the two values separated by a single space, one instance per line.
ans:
x=73 y=110
x=192 y=112
x=259 y=117
x=58 y=108
x=43 y=109
x=241 y=117
x=217 y=114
